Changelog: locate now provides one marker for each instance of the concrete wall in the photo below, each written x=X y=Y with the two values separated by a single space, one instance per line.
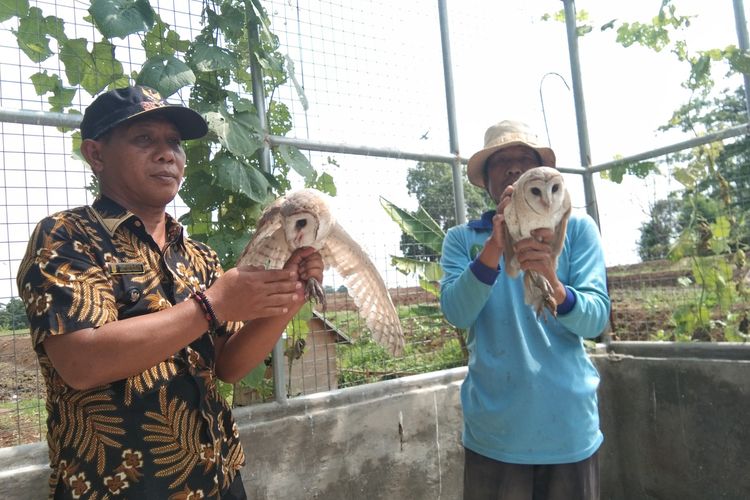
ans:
x=391 y=440
x=675 y=425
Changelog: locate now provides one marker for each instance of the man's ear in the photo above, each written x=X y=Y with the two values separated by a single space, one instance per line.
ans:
x=91 y=151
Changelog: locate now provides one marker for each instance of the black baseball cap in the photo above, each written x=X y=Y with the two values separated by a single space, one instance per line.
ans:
x=120 y=105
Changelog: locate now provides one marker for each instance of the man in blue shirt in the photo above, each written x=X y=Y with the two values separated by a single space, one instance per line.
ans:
x=531 y=422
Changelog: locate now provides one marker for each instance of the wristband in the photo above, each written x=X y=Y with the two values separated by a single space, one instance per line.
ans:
x=202 y=300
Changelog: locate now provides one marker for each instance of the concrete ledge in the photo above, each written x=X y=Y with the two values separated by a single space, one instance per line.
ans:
x=674 y=423
x=674 y=350
x=395 y=439
x=24 y=472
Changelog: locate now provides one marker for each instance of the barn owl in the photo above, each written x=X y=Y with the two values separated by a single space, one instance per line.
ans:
x=304 y=218
x=539 y=200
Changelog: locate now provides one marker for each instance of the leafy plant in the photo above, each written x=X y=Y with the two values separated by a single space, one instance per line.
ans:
x=422 y=227
x=225 y=186
x=13 y=315
x=432 y=345
x=708 y=224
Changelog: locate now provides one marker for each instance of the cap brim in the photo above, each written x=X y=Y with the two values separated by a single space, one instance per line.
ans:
x=475 y=166
x=189 y=123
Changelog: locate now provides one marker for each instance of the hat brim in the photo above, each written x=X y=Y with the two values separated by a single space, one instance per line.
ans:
x=190 y=124
x=475 y=167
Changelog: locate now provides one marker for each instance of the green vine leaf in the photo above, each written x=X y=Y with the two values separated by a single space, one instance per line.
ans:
x=228 y=244
x=740 y=61
x=323 y=182
x=212 y=58
x=44 y=82
x=684 y=177
x=161 y=40
x=32 y=34
x=120 y=18
x=61 y=97
x=295 y=159
x=240 y=133
x=197 y=191
x=235 y=175
x=13 y=8
x=255 y=377
x=166 y=74
x=92 y=70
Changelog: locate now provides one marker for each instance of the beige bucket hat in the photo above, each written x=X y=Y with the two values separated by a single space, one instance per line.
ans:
x=503 y=135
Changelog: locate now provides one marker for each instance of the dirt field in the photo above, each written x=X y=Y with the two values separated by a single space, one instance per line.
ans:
x=21 y=389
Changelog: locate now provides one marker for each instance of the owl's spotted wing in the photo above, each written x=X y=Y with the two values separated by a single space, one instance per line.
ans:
x=268 y=247
x=366 y=287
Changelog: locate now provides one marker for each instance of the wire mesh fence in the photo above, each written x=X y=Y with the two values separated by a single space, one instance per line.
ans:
x=371 y=74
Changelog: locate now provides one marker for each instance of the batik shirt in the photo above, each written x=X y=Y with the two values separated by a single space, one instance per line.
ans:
x=165 y=433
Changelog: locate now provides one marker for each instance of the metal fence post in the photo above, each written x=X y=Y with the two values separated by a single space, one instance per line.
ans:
x=742 y=39
x=259 y=99
x=458 y=185
x=583 y=134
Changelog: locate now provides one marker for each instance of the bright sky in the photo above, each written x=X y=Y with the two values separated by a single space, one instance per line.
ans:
x=628 y=93
x=501 y=52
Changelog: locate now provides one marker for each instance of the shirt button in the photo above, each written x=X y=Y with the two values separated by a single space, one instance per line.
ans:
x=133 y=295
x=137 y=223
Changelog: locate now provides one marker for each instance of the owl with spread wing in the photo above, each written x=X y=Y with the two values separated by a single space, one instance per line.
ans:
x=304 y=218
x=539 y=200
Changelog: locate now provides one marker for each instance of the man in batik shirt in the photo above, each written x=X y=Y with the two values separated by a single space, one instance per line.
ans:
x=133 y=321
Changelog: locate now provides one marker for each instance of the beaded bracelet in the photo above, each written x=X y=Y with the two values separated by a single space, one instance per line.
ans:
x=202 y=300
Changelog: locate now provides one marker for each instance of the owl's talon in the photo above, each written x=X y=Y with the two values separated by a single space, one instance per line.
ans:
x=314 y=292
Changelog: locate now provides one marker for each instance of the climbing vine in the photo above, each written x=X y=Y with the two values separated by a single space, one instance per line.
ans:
x=225 y=187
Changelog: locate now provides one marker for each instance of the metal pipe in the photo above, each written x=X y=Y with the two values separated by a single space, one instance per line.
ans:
x=679 y=146
x=45 y=118
x=259 y=99
x=458 y=184
x=592 y=207
x=583 y=135
x=332 y=147
x=51 y=119
x=742 y=38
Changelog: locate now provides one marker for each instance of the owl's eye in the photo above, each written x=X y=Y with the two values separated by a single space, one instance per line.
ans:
x=555 y=188
x=536 y=191
x=300 y=223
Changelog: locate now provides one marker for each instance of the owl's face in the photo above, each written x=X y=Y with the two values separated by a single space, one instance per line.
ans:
x=301 y=229
x=543 y=190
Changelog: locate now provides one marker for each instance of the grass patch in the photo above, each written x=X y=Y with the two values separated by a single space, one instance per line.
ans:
x=22 y=421
x=431 y=344
x=17 y=333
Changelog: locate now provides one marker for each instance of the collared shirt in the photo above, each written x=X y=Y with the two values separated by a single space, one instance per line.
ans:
x=162 y=433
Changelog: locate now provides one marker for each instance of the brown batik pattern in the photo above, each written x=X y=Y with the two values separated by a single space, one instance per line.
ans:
x=145 y=433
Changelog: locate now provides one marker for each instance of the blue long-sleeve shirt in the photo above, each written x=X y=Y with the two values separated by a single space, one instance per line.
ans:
x=526 y=401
